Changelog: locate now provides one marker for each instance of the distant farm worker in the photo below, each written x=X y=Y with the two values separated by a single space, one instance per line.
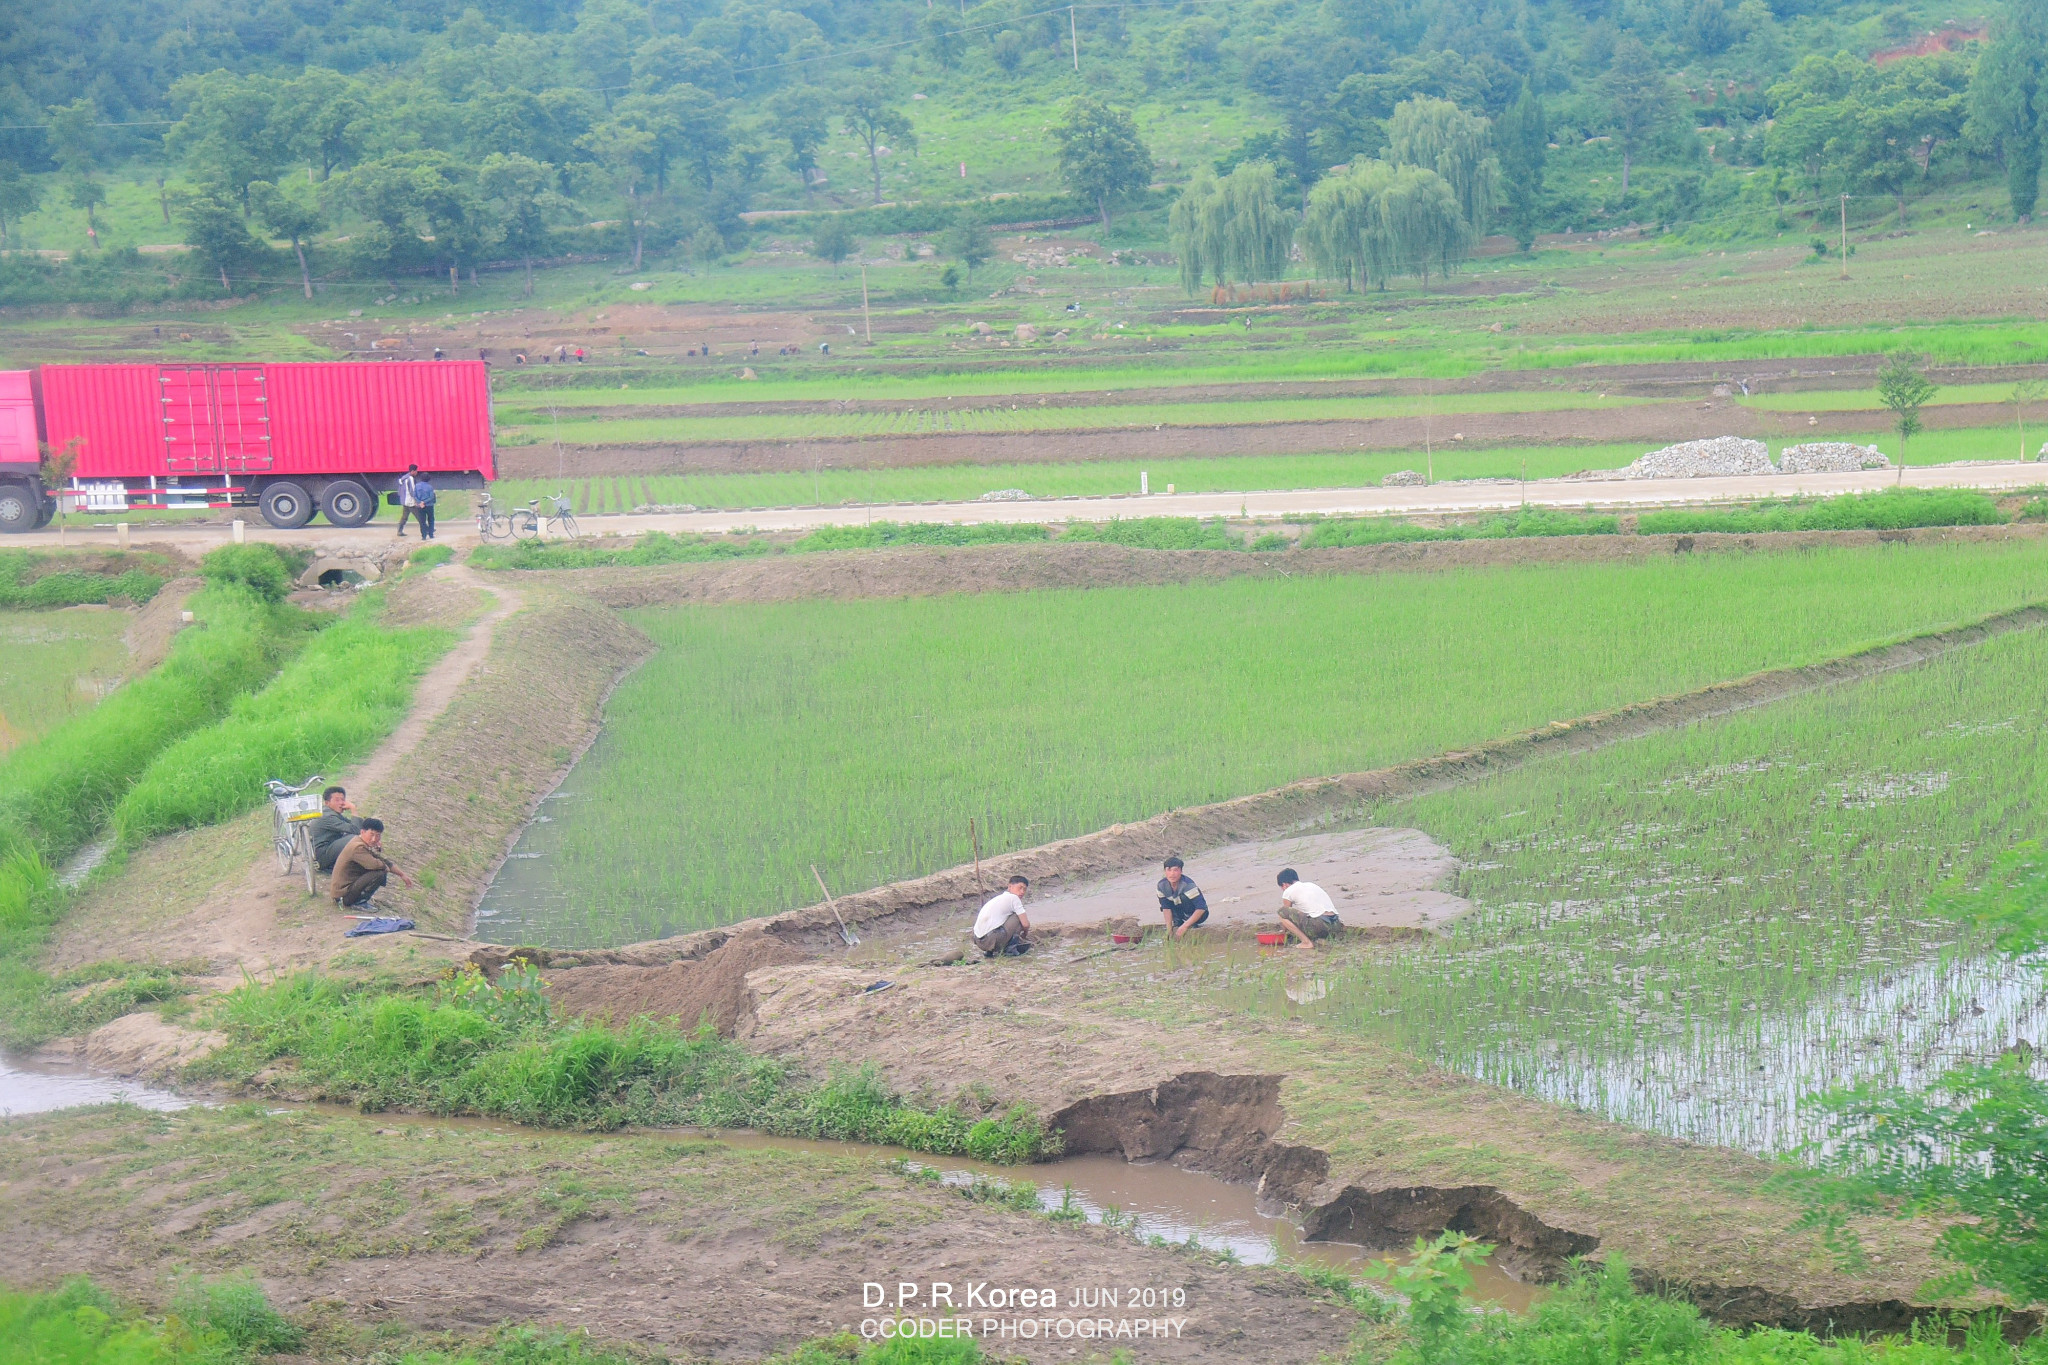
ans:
x=1306 y=910
x=334 y=828
x=1002 y=926
x=1180 y=900
x=408 y=505
x=423 y=499
x=361 y=870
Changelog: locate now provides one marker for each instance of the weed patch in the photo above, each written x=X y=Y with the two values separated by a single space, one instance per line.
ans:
x=882 y=535
x=29 y=580
x=1325 y=535
x=655 y=547
x=1894 y=509
x=473 y=1047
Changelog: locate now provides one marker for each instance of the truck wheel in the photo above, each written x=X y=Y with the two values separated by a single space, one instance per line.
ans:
x=287 y=506
x=20 y=508
x=347 y=503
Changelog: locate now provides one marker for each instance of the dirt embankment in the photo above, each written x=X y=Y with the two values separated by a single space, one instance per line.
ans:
x=1648 y=424
x=1028 y=567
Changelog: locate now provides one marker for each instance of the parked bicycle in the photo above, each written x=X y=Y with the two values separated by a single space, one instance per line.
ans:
x=292 y=812
x=491 y=524
x=529 y=521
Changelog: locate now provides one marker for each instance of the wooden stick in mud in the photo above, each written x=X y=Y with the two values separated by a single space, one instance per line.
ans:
x=844 y=932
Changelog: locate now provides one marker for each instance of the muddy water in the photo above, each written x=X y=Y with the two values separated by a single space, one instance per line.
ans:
x=1165 y=1201
x=28 y=1087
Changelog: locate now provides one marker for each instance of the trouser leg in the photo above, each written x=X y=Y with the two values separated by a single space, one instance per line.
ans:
x=363 y=886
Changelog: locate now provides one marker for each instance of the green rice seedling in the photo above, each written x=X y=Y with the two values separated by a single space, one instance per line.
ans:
x=55 y=666
x=1698 y=930
x=345 y=691
x=862 y=736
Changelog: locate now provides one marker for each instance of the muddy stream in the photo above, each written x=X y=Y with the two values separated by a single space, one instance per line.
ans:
x=1154 y=1199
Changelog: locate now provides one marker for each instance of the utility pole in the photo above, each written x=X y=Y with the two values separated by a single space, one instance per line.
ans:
x=1074 y=36
x=1845 y=236
x=867 y=324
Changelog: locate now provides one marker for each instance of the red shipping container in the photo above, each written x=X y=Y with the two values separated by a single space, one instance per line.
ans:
x=320 y=418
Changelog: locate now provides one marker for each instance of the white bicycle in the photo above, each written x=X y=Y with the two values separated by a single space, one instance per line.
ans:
x=292 y=813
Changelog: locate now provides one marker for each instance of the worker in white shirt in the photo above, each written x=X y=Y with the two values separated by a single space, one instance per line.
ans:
x=1002 y=926
x=1306 y=910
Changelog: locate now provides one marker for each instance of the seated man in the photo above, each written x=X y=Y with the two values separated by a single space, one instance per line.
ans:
x=334 y=828
x=1180 y=900
x=361 y=869
x=1306 y=910
x=1002 y=926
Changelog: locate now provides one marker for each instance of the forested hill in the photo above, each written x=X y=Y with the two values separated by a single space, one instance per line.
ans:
x=489 y=128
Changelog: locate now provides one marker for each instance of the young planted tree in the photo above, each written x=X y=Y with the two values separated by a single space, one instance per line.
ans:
x=521 y=196
x=1639 y=102
x=1102 y=158
x=293 y=216
x=1522 y=135
x=1902 y=388
x=969 y=242
x=872 y=117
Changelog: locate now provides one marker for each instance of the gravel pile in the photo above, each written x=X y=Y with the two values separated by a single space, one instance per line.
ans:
x=1830 y=457
x=1006 y=495
x=1721 y=456
x=652 y=508
x=1404 y=478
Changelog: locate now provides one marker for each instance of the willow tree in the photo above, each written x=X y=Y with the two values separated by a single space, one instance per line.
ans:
x=1343 y=233
x=1424 y=222
x=1436 y=135
x=1232 y=229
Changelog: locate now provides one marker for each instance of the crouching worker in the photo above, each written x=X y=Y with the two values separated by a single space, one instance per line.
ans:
x=1180 y=900
x=361 y=869
x=1002 y=926
x=1306 y=910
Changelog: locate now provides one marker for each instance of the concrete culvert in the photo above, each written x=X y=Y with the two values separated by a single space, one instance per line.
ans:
x=340 y=578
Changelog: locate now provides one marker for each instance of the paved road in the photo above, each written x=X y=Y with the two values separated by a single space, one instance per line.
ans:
x=1608 y=494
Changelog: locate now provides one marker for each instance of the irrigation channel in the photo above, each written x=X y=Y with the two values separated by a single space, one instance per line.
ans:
x=1148 y=1199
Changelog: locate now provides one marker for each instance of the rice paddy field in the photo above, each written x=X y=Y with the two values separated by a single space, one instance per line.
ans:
x=54 y=664
x=862 y=736
x=1697 y=931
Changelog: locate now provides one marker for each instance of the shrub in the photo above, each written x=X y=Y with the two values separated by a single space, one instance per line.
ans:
x=655 y=547
x=344 y=692
x=1501 y=526
x=1157 y=533
x=77 y=1324
x=883 y=534
x=1891 y=510
x=258 y=567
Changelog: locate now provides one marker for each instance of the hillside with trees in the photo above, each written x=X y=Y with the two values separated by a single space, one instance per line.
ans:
x=1362 y=139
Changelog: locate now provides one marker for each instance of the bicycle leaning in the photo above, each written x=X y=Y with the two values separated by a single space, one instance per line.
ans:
x=292 y=811
x=491 y=524
x=529 y=521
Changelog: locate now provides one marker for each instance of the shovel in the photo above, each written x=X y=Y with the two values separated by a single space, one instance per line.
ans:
x=852 y=939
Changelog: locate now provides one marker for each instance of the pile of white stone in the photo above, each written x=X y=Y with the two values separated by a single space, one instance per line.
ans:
x=1830 y=457
x=1719 y=457
x=1006 y=495
x=1404 y=478
x=656 y=508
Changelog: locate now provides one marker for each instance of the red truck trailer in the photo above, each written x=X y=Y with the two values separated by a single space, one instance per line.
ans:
x=290 y=439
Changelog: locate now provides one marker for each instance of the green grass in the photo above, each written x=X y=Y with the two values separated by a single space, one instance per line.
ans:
x=1528 y=522
x=55 y=665
x=330 y=706
x=219 y=1323
x=862 y=736
x=57 y=792
x=1891 y=509
x=495 y=1049
x=31 y=580
x=1697 y=930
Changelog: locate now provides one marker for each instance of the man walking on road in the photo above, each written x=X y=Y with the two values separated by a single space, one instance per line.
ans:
x=1306 y=910
x=1180 y=900
x=1002 y=926
x=423 y=500
x=407 y=505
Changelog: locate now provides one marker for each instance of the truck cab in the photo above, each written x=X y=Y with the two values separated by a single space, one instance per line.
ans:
x=24 y=503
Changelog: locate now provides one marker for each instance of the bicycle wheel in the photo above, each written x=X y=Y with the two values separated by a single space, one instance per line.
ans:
x=283 y=835
x=525 y=525
x=498 y=527
x=567 y=521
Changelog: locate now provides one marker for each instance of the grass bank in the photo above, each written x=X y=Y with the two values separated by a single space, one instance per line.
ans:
x=1893 y=509
x=329 y=706
x=57 y=792
x=496 y=1049
x=31 y=580
x=1048 y=714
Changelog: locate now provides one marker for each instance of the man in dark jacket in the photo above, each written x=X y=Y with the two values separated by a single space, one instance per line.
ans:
x=334 y=828
x=1180 y=900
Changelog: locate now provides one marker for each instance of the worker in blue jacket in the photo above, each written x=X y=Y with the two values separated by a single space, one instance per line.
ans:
x=1181 y=902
